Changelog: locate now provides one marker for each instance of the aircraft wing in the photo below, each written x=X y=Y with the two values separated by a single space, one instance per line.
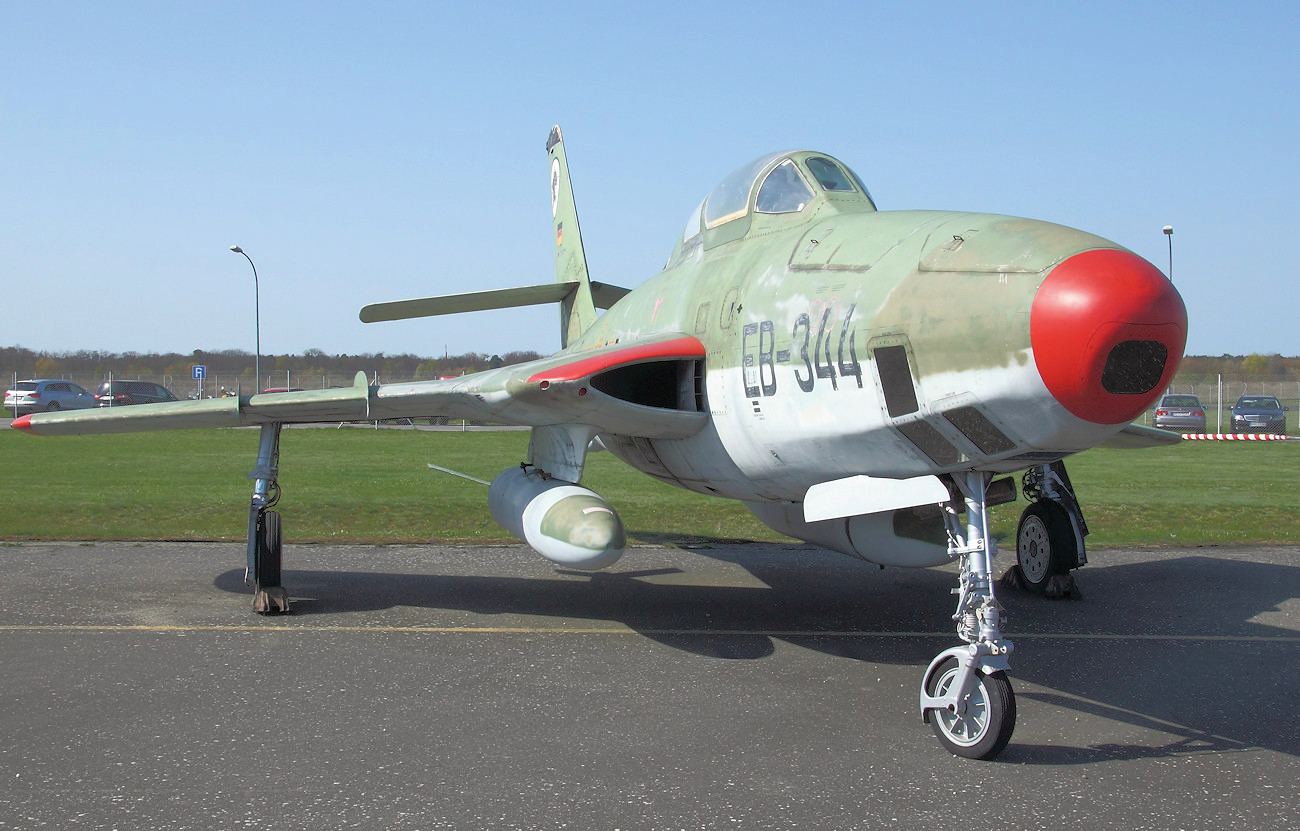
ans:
x=603 y=388
x=1135 y=436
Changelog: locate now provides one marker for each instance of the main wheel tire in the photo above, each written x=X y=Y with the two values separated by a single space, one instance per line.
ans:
x=268 y=549
x=1045 y=544
x=984 y=730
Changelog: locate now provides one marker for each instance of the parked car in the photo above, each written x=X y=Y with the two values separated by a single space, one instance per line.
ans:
x=1183 y=413
x=1259 y=414
x=46 y=395
x=123 y=393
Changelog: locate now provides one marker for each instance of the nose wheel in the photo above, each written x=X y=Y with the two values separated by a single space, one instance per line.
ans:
x=980 y=726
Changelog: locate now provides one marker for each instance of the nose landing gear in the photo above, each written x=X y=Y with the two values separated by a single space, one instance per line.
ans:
x=965 y=695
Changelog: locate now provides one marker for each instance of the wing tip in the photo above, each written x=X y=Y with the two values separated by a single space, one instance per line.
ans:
x=24 y=423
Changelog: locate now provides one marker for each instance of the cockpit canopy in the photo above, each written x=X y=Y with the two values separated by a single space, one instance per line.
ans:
x=778 y=183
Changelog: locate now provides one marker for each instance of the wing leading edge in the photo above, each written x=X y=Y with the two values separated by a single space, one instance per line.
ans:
x=564 y=389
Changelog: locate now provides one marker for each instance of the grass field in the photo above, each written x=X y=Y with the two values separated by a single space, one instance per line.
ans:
x=358 y=485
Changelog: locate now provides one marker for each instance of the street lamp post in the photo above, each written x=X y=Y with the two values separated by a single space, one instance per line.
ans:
x=1169 y=232
x=257 y=320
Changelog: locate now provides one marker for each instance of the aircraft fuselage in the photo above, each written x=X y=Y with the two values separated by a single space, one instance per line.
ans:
x=893 y=344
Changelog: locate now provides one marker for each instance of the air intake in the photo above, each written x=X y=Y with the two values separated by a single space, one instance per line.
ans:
x=1134 y=367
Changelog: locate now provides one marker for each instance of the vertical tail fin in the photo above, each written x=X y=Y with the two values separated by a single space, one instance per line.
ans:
x=578 y=310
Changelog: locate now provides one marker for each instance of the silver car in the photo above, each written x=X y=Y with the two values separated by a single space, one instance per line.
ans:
x=1184 y=413
x=46 y=395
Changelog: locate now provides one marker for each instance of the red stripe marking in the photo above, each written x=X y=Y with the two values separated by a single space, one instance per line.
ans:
x=683 y=347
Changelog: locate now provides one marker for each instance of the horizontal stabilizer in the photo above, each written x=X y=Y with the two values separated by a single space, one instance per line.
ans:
x=473 y=301
x=1135 y=437
x=477 y=301
x=859 y=495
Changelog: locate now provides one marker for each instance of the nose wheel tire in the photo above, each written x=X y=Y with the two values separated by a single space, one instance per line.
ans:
x=1045 y=544
x=984 y=729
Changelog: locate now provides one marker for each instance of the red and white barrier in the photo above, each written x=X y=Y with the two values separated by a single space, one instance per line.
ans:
x=1234 y=437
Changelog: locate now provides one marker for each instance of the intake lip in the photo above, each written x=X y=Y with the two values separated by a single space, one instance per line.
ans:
x=1108 y=331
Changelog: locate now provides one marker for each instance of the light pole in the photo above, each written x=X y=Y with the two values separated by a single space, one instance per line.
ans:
x=1169 y=232
x=257 y=320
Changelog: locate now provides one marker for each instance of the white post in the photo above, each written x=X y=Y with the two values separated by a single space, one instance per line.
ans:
x=1220 y=404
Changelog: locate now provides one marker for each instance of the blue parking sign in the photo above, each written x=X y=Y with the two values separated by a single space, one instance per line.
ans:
x=200 y=372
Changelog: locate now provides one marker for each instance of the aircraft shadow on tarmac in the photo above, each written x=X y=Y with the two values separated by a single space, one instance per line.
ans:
x=1182 y=652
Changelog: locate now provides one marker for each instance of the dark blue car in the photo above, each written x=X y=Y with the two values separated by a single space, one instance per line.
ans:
x=1259 y=414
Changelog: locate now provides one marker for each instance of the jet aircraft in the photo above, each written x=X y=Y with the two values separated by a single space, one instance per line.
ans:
x=858 y=378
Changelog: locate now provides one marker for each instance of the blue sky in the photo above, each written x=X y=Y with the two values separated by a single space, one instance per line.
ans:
x=380 y=151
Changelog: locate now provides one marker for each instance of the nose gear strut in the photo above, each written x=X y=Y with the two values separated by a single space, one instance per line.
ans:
x=965 y=695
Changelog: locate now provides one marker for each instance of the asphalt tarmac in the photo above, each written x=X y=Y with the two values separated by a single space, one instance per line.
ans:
x=721 y=687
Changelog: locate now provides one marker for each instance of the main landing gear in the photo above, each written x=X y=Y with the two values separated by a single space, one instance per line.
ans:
x=264 y=536
x=1049 y=539
x=965 y=695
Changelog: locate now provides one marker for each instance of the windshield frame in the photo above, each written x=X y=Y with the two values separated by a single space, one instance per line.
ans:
x=729 y=201
x=798 y=178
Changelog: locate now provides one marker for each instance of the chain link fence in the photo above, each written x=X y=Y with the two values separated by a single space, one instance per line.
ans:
x=1218 y=393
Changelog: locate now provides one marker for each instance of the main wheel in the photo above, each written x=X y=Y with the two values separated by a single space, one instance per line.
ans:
x=985 y=728
x=268 y=549
x=1045 y=544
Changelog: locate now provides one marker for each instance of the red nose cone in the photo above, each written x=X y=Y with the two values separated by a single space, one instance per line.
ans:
x=1108 y=331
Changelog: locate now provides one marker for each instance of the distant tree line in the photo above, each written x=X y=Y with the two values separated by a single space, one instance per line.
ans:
x=29 y=363
x=1270 y=366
